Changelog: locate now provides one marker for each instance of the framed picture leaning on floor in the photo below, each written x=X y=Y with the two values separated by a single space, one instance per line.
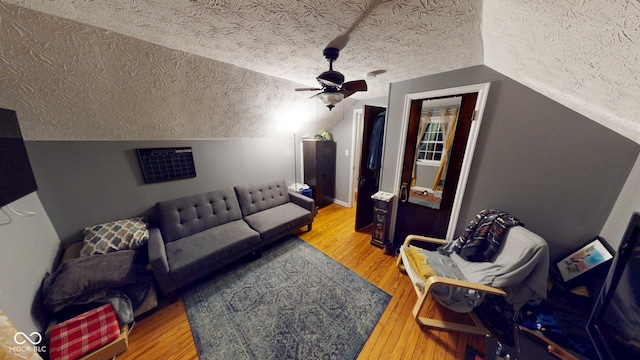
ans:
x=584 y=259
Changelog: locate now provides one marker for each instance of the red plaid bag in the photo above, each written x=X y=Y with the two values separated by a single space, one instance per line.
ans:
x=84 y=333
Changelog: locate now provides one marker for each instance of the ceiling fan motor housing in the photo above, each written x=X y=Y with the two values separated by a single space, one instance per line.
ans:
x=331 y=78
x=331 y=54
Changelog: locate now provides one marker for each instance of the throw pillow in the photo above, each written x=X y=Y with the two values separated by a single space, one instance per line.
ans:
x=115 y=235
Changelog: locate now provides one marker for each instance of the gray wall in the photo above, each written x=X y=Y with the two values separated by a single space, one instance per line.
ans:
x=556 y=170
x=82 y=183
x=342 y=134
x=628 y=203
x=29 y=247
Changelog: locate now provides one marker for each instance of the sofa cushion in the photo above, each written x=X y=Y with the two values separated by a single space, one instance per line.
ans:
x=258 y=197
x=203 y=252
x=281 y=218
x=189 y=215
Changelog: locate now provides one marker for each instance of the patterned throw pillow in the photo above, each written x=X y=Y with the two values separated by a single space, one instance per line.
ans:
x=115 y=235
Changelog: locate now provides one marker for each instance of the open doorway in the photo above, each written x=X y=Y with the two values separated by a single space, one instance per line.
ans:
x=367 y=151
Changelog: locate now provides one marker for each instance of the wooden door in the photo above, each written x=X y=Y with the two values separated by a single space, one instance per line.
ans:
x=368 y=179
x=416 y=219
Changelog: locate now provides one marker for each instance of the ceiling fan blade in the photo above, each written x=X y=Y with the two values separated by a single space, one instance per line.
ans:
x=347 y=93
x=307 y=89
x=356 y=85
x=312 y=96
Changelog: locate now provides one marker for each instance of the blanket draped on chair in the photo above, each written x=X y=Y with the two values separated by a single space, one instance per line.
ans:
x=482 y=238
x=520 y=268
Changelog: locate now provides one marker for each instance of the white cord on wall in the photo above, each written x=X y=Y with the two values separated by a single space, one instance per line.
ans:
x=15 y=211
x=20 y=212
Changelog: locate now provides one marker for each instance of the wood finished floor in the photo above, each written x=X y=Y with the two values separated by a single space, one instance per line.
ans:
x=165 y=333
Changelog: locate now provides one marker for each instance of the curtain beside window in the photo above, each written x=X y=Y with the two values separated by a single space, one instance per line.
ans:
x=425 y=120
x=450 y=119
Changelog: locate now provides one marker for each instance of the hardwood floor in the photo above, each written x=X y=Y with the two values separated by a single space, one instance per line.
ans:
x=165 y=334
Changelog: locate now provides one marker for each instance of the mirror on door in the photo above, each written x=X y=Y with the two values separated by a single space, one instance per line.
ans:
x=436 y=130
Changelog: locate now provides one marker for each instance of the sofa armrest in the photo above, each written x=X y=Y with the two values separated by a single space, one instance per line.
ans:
x=158 y=260
x=303 y=201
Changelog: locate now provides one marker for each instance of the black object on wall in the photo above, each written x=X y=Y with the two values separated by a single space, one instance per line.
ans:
x=320 y=169
x=16 y=177
x=164 y=164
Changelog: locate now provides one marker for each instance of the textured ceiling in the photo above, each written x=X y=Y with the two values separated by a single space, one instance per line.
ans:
x=285 y=38
x=212 y=69
x=584 y=54
x=174 y=69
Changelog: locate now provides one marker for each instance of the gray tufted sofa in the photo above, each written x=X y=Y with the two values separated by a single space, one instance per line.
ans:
x=201 y=233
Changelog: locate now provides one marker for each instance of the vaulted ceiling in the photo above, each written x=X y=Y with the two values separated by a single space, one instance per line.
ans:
x=169 y=69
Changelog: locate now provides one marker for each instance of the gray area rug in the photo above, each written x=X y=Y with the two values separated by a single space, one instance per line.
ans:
x=292 y=303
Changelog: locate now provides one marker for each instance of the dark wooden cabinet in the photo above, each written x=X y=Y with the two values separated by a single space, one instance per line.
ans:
x=320 y=169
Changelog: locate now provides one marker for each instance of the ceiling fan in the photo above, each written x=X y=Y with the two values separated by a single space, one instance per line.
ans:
x=333 y=87
x=332 y=83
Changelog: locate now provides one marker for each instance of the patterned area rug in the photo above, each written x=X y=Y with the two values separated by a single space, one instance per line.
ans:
x=292 y=303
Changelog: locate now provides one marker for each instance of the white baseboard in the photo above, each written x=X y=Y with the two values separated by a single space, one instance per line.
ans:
x=342 y=203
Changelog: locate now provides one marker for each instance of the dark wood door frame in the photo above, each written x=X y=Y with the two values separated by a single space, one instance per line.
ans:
x=482 y=89
x=418 y=219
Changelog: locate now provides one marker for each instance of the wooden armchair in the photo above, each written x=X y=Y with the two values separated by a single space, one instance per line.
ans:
x=518 y=272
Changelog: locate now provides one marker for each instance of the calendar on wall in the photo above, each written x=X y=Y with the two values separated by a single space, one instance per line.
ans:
x=164 y=164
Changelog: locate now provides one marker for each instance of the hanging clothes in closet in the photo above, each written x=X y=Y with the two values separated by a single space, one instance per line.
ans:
x=374 y=157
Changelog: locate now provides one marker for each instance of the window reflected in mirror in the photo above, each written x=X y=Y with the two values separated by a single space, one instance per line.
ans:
x=436 y=131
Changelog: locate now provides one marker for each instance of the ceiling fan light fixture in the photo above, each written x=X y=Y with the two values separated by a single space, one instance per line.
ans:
x=331 y=98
